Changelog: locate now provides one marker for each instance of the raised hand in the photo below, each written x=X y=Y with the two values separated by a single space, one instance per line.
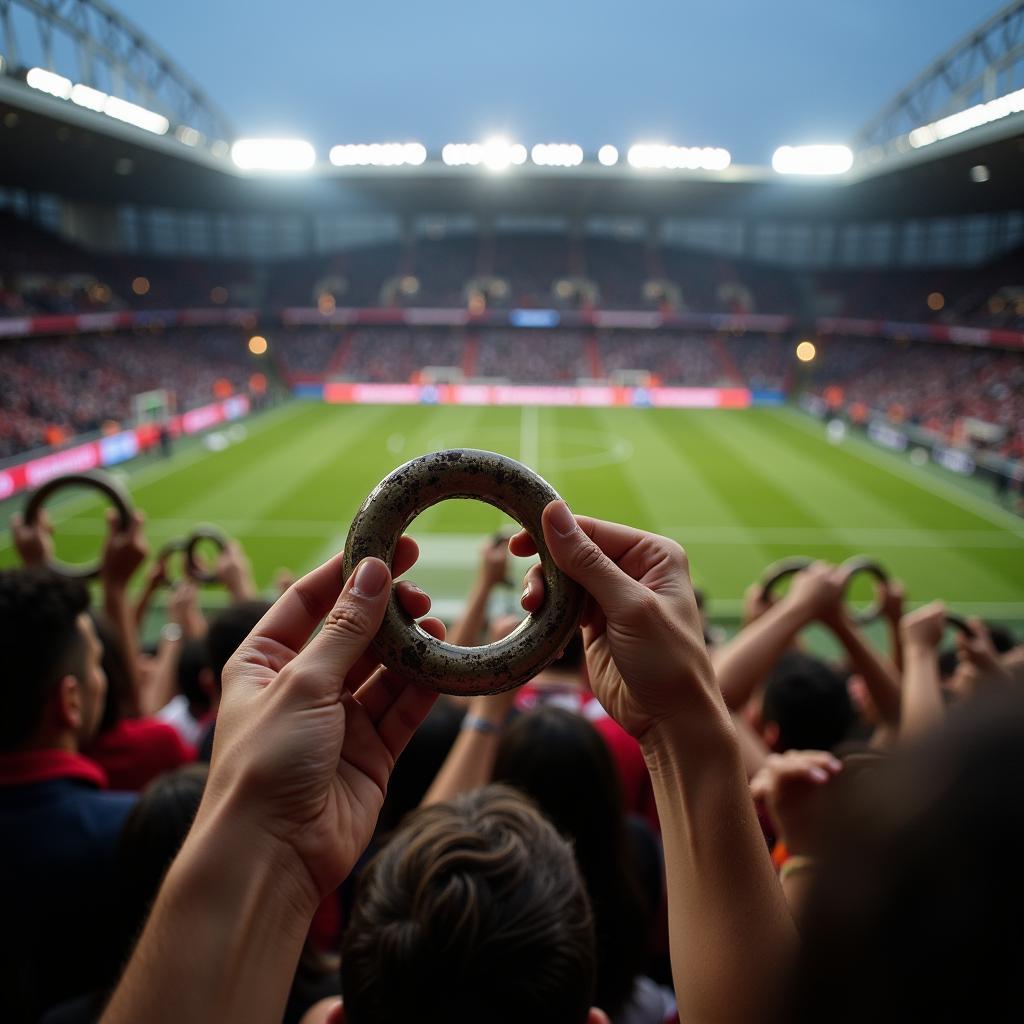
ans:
x=123 y=551
x=33 y=541
x=642 y=630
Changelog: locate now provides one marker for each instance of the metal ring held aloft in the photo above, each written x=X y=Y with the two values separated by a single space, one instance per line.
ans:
x=173 y=547
x=192 y=564
x=97 y=480
x=406 y=648
x=778 y=571
x=959 y=622
x=861 y=564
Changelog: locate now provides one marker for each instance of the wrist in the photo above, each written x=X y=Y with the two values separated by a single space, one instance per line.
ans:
x=689 y=739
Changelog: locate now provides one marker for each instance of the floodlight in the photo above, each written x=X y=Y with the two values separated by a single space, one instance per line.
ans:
x=812 y=160
x=273 y=154
x=140 y=117
x=86 y=96
x=49 y=82
x=608 y=156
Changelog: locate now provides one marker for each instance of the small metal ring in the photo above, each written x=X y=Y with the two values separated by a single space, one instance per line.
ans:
x=192 y=566
x=957 y=621
x=854 y=567
x=404 y=646
x=780 y=570
x=97 y=480
x=173 y=547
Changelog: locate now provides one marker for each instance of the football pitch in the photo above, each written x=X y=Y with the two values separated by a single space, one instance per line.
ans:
x=738 y=488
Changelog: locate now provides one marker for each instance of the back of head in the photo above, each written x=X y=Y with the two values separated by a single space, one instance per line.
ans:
x=41 y=642
x=808 y=702
x=193 y=662
x=473 y=911
x=916 y=911
x=559 y=760
x=227 y=631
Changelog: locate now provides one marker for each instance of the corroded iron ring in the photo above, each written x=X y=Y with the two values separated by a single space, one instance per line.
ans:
x=192 y=565
x=172 y=547
x=855 y=566
x=404 y=646
x=99 y=481
x=957 y=621
x=778 y=571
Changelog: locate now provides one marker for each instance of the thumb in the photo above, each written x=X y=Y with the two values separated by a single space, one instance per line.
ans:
x=580 y=558
x=349 y=627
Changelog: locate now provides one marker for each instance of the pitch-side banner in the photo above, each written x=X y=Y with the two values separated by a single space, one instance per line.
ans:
x=344 y=393
x=114 y=448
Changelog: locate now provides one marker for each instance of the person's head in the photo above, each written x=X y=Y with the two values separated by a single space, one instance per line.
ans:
x=805 y=706
x=473 y=911
x=195 y=677
x=227 y=631
x=915 y=910
x=559 y=760
x=53 y=684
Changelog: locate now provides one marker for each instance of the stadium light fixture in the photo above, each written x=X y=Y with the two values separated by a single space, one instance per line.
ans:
x=556 y=154
x=812 y=160
x=654 y=156
x=288 y=155
x=187 y=136
x=49 y=82
x=496 y=154
x=386 y=154
x=140 y=117
x=965 y=120
x=608 y=156
x=91 y=99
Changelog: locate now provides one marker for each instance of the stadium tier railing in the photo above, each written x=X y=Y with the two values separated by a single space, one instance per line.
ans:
x=525 y=319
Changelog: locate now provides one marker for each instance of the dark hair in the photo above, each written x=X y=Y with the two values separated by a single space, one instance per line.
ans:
x=809 y=702
x=916 y=910
x=474 y=911
x=41 y=641
x=227 y=631
x=572 y=657
x=559 y=760
x=193 y=660
x=419 y=764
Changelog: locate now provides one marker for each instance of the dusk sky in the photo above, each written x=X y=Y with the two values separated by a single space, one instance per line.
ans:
x=748 y=75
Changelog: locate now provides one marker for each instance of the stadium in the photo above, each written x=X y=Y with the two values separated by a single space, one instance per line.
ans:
x=819 y=358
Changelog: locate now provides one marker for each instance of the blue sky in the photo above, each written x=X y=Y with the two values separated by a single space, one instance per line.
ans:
x=748 y=75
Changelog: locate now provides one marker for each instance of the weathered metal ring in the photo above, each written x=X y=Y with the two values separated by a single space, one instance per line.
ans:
x=778 y=571
x=854 y=567
x=192 y=565
x=404 y=646
x=97 y=480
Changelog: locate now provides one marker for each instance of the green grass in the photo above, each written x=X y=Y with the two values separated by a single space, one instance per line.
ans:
x=738 y=488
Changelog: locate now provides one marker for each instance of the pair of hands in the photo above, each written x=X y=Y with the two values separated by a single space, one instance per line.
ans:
x=922 y=630
x=124 y=550
x=309 y=730
x=819 y=592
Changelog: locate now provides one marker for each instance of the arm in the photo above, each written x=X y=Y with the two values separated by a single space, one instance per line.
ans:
x=123 y=553
x=923 y=707
x=156 y=577
x=893 y=597
x=493 y=566
x=307 y=736
x=879 y=674
x=743 y=663
x=731 y=934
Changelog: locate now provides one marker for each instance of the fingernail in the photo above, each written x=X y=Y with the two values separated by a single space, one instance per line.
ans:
x=562 y=519
x=526 y=594
x=819 y=774
x=370 y=579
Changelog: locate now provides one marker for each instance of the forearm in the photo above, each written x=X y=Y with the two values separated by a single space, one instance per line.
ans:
x=121 y=616
x=235 y=960
x=143 y=606
x=731 y=934
x=470 y=762
x=466 y=631
x=743 y=663
x=879 y=674
x=164 y=683
x=895 y=643
x=923 y=707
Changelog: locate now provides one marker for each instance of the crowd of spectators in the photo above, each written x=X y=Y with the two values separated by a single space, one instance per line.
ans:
x=663 y=826
x=940 y=388
x=52 y=389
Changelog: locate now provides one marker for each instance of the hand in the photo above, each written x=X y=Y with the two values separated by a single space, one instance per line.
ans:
x=308 y=732
x=494 y=561
x=818 y=591
x=977 y=652
x=234 y=572
x=157 y=577
x=124 y=550
x=755 y=603
x=183 y=609
x=923 y=629
x=33 y=541
x=893 y=594
x=641 y=627
x=789 y=787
